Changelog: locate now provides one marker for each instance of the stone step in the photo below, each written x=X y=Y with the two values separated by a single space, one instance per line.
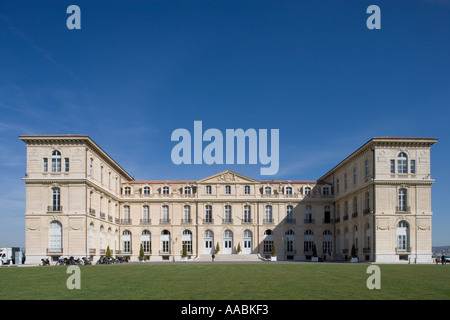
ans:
x=228 y=257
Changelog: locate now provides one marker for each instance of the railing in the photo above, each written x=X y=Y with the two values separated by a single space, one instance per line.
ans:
x=267 y=220
x=145 y=221
x=247 y=220
x=327 y=220
x=402 y=250
x=102 y=215
x=54 y=209
x=186 y=221
x=125 y=221
x=309 y=221
x=290 y=221
x=366 y=211
x=208 y=220
x=92 y=212
x=54 y=251
x=225 y=221
x=164 y=221
x=402 y=209
x=354 y=214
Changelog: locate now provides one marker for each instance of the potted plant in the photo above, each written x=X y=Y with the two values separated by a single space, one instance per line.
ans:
x=353 y=255
x=184 y=253
x=274 y=253
x=314 y=258
x=142 y=257
x=238 y=250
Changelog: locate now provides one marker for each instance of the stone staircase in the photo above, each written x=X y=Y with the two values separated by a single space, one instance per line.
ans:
x=228 y=258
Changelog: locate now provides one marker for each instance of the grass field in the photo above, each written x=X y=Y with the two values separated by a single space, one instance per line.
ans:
x=270 y=281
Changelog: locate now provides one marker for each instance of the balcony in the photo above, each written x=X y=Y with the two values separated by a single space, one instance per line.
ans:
x=186 y=221
x=267 y=221
x=92 y=212
x=208 y=221
x=327 y=220
x=54 y=209
x=355 y=214
x=403 y=209
x=125 y=221
x=246 y=220
x=227 y=221
x=145 y=221
x=54 y=251
x=309 y=221
x=290 y=221
x=102 y=215
x=403 y=250
x=366 y=211
x=164 y=221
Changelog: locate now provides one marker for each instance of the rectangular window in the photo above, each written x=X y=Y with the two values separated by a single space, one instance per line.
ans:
x=366 y=164
x=208 y=189
x=247 y=190
x=208 y=213
x=227 y=190
x=66 y=164
x=45 y=164
x=413 y=166
x=91 y=167
x=345 y=181
x=392 y=166
x=355 y=175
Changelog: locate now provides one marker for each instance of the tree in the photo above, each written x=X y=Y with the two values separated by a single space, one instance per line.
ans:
x=274 y=253
x=217 y=249
x=141 y=254
x=353 y=252
x=314 y=250
x=238 y=250
x=108 y=253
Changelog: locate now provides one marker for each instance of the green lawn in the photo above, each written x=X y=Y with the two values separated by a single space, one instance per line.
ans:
x=265 y=281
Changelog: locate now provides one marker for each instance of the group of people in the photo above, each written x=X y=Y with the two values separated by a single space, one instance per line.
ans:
x=443 y=261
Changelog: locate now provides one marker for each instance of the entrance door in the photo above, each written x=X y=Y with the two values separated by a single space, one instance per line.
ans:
x=228 y=242
x=208 y=242
x=247 y=242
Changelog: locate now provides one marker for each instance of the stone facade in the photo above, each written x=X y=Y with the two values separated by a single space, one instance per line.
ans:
x=79 y=201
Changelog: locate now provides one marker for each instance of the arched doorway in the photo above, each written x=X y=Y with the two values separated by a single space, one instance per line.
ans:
x=228 y=242
x=247 y=241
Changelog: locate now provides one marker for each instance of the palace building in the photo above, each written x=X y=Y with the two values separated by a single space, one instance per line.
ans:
x=79 y=202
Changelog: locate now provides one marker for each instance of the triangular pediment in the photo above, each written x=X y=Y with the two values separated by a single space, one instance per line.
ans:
x=228 y=177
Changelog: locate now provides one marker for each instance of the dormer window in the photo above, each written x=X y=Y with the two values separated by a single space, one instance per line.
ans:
x=165 y=190
x=288 y=190
x=187 y=190
x=267 y=190
x=307 y=190
x=146 y=190
x=127 y=190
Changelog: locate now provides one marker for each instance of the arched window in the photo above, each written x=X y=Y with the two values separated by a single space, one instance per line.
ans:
x=402 y=163
x=307 y=190
x=165 y=242
x=402 y=236
x=268 y=241
x=187 y=241
x=267 y=190
x=308 y=242
x=327 y=243
x=146 y=241
x=126 y=241
x=56 y=161
x=227 y=242
x=289 y=237
x=55 y=237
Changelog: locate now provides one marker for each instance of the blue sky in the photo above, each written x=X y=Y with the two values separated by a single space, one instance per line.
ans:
x=138 y=70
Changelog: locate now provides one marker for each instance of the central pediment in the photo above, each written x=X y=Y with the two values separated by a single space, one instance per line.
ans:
x=228 y=177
